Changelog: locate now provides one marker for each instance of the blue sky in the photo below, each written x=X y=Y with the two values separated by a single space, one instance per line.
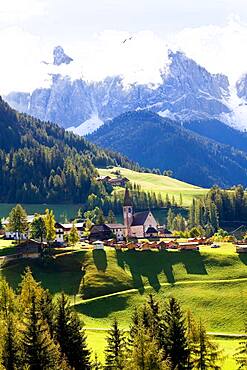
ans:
x=213 y=32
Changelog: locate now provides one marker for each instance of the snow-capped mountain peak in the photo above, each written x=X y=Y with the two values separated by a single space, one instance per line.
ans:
x=186 y=91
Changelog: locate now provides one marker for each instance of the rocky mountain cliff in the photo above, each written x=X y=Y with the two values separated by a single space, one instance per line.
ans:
x=188 y=91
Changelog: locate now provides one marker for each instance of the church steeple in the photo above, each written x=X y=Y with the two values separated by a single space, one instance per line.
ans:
x=128 y=211
x=127 y=199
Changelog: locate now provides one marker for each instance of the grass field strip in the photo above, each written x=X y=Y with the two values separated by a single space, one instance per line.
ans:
x=147 y=287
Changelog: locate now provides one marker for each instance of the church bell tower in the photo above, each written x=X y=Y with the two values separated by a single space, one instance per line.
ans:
x=127 y=212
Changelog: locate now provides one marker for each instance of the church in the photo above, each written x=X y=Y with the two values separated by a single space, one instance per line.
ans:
x=140 y=224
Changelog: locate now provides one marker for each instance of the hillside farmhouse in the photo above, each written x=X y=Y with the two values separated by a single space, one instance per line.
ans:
x=116 y=181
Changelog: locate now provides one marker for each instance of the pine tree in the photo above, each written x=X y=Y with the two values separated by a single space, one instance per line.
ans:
x=155 y=324
x=40 y=352
x=11 y=349
x=47 y=310
x=50 y=225
x=29 y=288
x=111 y=219
x=7 y=298
x=88 y=225
x=134 y=325
x=71 y=336
x=145 y=353
x=38 y=228
x=213 y=215
x=116 y=348
x=170 y=217
x=205 y=354
x=192 y=214
x=176 y=343
x=100 y=217
x=18 y=221
x=96 y=364
x=73 y=235
x=241 y=354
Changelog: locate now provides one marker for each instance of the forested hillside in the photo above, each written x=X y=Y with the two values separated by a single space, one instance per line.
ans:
x=202 y=158
x=41 y=162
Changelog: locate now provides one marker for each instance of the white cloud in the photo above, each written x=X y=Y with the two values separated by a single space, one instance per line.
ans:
x=19 y=10
x=219 y=49
x=137 y=57
x=20 y=67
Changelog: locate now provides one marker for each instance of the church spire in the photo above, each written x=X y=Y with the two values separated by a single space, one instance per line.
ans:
x=127 y=199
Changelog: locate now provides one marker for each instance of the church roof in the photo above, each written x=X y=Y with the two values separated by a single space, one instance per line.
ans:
x=139 y=218
x=127 y=198
x=116 y=226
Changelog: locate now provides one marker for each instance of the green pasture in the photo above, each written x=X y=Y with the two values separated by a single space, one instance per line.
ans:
x=211 y=283
x=158 y=184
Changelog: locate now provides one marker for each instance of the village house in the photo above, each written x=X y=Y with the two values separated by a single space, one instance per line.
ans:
x=104 y=179
x=100 y=232
x=189 y=246
x=14 y=234
x=118 y=230
x=106 y=231
x=64 y=228
x=116 y=181
x=241 y=248
x=138 y=224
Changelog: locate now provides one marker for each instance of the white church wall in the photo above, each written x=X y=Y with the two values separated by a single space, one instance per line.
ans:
x=150 y=221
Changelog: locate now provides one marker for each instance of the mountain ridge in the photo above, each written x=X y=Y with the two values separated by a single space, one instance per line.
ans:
x=157 y=142
x=187 y=91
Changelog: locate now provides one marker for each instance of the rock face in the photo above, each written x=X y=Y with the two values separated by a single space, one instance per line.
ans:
x=241 y=87
x=187 y=91
x=59 y=56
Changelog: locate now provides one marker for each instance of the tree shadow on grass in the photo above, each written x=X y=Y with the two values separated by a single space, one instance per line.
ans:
x=193 y=262
x=150 y=264
x=104 y=307
x=61 y=274
x=243 y=257
x=100 y=259
x=120 y=259
x=147 y=264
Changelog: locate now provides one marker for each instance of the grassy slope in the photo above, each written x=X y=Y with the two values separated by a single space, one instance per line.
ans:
x=211 y=282
x=159 y=184
x=201 y=281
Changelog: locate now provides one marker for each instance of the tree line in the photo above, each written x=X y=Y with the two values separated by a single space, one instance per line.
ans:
x=42 y=163
x=113 y=201
x=218 y=205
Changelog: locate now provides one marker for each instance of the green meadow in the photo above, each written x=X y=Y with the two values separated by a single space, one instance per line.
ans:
x=211 y=283
x=159 y=184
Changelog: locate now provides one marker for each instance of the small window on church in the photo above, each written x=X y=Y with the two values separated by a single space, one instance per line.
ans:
x=129 y=210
